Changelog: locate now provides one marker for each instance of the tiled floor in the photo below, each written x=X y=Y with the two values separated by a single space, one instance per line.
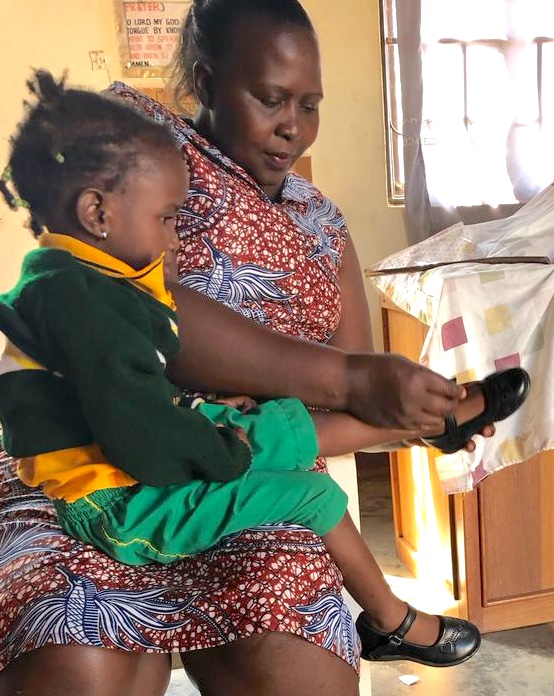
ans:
x=180 y=685
x=510 y=663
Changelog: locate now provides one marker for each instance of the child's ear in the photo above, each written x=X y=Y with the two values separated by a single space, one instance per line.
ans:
x=91 y=214
x=203 y=83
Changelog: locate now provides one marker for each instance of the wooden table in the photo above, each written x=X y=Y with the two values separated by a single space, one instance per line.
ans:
x=492 y=547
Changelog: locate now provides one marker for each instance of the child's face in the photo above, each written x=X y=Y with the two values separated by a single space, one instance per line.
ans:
x=140 y=216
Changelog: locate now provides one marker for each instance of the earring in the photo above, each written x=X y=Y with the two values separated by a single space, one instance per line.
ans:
x=103 y=235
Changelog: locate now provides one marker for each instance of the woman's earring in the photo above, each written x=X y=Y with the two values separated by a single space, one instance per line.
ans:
x=103 y=235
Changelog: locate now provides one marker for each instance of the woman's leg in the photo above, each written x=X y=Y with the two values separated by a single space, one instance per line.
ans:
x=270 y=664
x=77 y=670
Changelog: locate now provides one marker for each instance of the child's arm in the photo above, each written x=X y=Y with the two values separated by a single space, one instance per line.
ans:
x=120 y=383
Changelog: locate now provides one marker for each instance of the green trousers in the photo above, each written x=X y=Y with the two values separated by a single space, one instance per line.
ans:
x=145 y=524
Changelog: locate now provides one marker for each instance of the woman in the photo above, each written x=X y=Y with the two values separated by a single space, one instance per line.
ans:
x=254 y=66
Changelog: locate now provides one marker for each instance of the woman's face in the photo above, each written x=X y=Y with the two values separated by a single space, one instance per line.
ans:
x=261 y=106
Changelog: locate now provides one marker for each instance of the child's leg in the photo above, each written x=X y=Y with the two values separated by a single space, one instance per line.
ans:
x=281 y=432
x=401 y=633
x=162 y=524
x=473 y=405
x=365 y=582
x=338 y=433
x=498 y=395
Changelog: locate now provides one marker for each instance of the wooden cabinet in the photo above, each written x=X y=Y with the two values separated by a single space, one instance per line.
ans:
x=493 y=547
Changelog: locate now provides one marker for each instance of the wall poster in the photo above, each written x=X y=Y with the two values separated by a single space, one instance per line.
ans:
x=148 y=35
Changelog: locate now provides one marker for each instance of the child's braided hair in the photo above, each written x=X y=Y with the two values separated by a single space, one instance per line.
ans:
x=72 y=139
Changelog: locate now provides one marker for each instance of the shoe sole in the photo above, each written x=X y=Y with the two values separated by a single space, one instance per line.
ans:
x=397 y=658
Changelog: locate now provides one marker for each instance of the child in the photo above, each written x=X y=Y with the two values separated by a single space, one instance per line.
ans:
x=84 y=400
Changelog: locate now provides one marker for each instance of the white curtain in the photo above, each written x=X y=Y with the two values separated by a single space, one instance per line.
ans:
x=477 y=80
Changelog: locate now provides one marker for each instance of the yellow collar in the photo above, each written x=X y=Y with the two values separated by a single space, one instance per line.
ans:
x=149 y=279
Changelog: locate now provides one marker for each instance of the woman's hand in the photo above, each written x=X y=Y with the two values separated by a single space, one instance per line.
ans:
x=390 y=391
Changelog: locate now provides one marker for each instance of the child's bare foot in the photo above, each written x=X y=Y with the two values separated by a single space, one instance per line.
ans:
x=472 y=406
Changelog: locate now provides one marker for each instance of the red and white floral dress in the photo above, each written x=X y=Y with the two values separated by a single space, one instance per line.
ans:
x=276 y=263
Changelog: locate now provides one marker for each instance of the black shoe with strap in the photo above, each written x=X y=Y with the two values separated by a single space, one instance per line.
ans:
x=503 y=392
x=457 y=642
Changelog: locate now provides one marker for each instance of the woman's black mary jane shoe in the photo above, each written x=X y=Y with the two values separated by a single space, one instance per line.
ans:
x=504 y=392
x=457 y=642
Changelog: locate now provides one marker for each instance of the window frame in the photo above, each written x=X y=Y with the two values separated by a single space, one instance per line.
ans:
x=394 y=155
x=392 y=97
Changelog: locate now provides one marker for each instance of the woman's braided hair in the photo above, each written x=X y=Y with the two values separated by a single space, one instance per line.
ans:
x=209 y=30
x=72 y=139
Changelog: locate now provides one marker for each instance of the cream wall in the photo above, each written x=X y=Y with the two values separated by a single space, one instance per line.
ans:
x=348 y=158
x=55 y=40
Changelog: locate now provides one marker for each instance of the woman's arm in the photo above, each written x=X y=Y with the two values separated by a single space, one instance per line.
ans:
x=339 y=433
x=225 y=352
x=354 y=331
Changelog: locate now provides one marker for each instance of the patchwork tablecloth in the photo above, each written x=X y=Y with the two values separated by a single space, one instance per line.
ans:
x=490 y=319
x=485 y=318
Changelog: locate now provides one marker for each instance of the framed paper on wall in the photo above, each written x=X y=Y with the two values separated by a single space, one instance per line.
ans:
x=148 y=34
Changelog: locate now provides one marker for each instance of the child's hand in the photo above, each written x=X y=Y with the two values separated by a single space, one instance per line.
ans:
x=389 y=391
x=243 y=437
x=240 y=433
x=241 y=402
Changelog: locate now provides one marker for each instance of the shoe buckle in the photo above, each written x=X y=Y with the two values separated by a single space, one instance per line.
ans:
x=395 y=639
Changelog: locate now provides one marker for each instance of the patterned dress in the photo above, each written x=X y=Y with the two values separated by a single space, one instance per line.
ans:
x=276 y=263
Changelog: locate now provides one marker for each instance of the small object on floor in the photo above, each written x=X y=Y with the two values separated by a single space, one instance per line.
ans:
x=409 y=679
x=457 y=642
x=504 y=392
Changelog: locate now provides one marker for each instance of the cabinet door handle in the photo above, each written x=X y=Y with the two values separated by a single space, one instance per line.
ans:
x=454 y=549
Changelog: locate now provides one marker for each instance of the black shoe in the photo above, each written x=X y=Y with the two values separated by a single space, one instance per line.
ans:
x=457 y=642
x=504 y=392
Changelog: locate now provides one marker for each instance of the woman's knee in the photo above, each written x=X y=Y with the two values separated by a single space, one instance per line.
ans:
x=77 y=670
x=270 y=664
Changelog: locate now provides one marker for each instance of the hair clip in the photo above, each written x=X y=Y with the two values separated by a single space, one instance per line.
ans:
x=59 y=157
x=13 y=201
x=6 y=174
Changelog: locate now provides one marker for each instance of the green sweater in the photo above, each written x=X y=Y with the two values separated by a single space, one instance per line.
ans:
x=105 y=344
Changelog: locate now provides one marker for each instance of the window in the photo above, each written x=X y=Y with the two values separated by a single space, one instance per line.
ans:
x=487 y=117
